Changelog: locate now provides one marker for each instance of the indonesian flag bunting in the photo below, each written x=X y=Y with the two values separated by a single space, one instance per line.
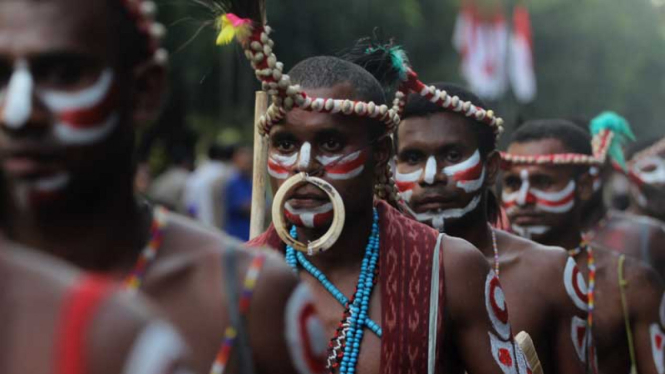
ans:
x=490 y=59
x=522 y=74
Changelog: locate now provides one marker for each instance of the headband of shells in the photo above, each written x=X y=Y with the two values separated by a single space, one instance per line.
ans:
x=445 y=101
x=143 y=13
x=654 y=150
x=600 y=144
x=285 y=95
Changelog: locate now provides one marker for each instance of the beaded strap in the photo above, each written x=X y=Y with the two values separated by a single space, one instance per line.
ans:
x=135 y=279
x=143 y=13
x=654 y=150
x=231 y=332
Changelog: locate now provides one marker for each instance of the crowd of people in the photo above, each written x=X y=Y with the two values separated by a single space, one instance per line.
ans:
x=401 y=234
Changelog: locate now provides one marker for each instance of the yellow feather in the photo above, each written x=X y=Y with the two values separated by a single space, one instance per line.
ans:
x=227 y=31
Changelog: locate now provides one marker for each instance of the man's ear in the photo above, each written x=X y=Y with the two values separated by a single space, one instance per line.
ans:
x=149 y=91
x=585 y=186
x=492 y=169
x=383 y=150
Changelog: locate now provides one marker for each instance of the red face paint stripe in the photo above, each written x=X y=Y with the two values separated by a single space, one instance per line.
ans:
x=405 y=186
x=470 y=174
x=276 y=167
x=563 y=201
x=293 y=218
x=91 y=117
x=346 y=167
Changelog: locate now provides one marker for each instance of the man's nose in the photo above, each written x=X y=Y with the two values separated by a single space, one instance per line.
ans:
x=19 y=97
x=306 y=162
x=432 y=175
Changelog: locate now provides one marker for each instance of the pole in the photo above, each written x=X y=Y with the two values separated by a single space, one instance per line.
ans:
x=260 y=172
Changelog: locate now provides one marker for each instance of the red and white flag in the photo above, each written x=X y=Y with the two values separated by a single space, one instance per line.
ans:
x=490 y=59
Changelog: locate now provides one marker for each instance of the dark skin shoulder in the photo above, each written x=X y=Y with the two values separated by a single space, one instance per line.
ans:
x=467 y=343
x=533 y=279
x=187 y=280
x=644 y=291
x=626 y=233
x=113 y=332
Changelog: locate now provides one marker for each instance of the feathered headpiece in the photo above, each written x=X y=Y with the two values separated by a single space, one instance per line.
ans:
x=398 y=75
x=244 y=22
x=609 y=133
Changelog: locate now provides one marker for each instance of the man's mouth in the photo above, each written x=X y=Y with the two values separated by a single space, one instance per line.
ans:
x=526 y=219
x=435 y=203
x=307 y=197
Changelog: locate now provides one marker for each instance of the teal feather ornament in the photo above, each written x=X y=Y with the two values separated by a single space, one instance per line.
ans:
x=386 y=61
x=622 y=133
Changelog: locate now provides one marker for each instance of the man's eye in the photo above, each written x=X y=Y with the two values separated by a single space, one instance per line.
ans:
x=412 y=158
x=331 y=145
x=5 y=74
x=285 y=146
x=512 y=183
x=453 y=156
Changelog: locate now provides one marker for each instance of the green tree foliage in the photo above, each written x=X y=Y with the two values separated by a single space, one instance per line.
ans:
x=591 y=55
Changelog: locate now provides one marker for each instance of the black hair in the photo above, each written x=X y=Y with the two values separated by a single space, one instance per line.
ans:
x=571 y=136
x=640 y=146
x=221 y=153
x=329 y=71
x=134 y=44
x=418 y=106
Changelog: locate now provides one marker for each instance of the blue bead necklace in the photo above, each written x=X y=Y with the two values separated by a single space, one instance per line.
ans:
x=358 y=317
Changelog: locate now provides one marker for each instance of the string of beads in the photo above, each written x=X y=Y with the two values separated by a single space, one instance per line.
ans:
x=358 y=315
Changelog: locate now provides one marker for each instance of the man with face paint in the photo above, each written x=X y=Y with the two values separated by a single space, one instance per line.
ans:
x=636 y=232
x=447 y=313
x=545 y=183
x=76 y=77
x=446 y=167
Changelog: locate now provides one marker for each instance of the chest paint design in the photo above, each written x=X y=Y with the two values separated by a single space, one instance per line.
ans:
x=305 y=335
x=575 y=285
x=84 y=117
x=657 y=347
x=580 y=336
x=497 y=309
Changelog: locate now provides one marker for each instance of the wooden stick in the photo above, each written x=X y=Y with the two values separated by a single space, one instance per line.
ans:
x=260 y=172
x=526 y=344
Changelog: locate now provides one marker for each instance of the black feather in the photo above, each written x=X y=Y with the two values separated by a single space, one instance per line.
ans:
x=386 y=61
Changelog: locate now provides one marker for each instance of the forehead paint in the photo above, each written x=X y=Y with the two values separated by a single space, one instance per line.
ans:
x=580 y=335
x=305 y=155
x=529 y=231
x=575 y=285
x=430 y=170
x=437 y=218
x=86 y=116
x=656 y=176
x=551 y=202
x=344 y=167
x=309 y=218
x=469 y=175
x=304 y=333
x=18 y=104
x=657 y=347
x=279 y=165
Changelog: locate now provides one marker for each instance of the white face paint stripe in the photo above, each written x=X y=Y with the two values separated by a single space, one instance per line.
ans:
x=656 y=176
x=413 y=176
x=464 y=165
x=352 y=174
x=305 y=155
x=472 y=185
x=555 y=196
x=90 y=135
x=53 y=183
x=307 y=215
x=438 y=218
x=18 y=103
x=60 y=101
x=529 y=231
x=327 y=160
x=430 y=170
x=524 y=188
x=286 y=161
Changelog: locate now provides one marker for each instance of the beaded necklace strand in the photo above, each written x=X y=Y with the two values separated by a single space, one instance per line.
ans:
x=496 y=250
x=345 y=346
x=135 y=279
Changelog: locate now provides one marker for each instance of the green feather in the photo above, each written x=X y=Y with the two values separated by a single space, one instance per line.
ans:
x=622 y=133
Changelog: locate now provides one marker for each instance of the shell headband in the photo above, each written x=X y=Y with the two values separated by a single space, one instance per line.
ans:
x=143 y=13
x=609 y=132
x=372 y=55
x=254 y=37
